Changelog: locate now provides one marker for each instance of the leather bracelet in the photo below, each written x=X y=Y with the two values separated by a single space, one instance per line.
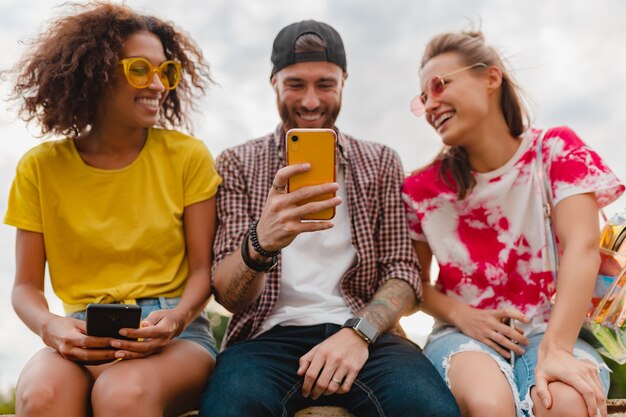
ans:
x=255 y=242
x=250 y=262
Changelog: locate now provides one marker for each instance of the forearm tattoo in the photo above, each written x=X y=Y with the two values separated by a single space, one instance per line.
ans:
x=394 y=299
x=240 y=284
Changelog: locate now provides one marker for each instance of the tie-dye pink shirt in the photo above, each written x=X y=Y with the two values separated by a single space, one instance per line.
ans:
x=491 y=246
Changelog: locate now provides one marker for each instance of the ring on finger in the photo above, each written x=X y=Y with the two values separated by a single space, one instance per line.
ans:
x=338 y=382
x=278 y=188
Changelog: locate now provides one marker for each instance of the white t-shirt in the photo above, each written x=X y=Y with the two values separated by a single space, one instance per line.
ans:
x=312 y=268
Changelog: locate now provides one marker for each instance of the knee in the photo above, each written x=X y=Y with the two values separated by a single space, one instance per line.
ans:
x=35 y=400
x=488 y=406
x=119 y=395
x=419 y=397
x=566 y=402
x=431 y=408
x=234 y=395
x=435 y=408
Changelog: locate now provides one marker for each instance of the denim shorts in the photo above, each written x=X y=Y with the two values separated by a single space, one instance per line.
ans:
x=198 y=331
x=521 y=377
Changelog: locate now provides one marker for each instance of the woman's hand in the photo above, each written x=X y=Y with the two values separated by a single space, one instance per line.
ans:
x=582 y=375
x=155 y=333
x=491 y=328
x=68 y=337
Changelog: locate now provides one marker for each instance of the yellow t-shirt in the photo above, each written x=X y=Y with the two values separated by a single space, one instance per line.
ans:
x=113 y=235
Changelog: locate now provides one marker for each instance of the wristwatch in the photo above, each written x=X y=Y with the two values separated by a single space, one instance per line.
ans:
x=363 y=328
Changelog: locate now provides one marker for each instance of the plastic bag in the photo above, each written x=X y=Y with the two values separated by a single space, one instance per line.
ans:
x=606 y=318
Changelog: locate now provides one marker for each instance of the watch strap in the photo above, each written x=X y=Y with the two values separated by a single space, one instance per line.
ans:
x=363 y=328
x=253 y=264
x=351 y=322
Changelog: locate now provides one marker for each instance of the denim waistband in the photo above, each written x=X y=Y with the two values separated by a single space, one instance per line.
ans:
x=153 y=301
x=162 y=302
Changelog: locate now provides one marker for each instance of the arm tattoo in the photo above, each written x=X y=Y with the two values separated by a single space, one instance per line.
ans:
x=394 y=299
x=240 y=283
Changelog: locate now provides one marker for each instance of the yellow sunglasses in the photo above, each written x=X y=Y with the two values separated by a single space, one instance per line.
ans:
x=140 y=72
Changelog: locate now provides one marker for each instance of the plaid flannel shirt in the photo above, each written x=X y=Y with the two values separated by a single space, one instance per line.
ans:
x=373 y=177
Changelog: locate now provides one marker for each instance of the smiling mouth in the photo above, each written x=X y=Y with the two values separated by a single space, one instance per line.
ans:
x=310 y=117
x=442 y=118
x=151 y=102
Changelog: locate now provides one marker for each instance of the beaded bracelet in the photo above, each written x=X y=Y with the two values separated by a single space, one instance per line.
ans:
x=250 y=262
x=255 y=242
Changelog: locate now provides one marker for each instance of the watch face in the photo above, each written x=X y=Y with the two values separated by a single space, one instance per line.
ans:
x=367 y=329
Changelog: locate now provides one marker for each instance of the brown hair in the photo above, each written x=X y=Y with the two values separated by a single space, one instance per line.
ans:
x=309 y=42
x=472 y=49
x=73 y=63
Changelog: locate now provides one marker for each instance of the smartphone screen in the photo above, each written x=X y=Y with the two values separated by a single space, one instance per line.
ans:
x=317 y=147
x=106 y=320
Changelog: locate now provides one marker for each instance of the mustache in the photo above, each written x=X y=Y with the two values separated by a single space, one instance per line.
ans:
x=303 y=110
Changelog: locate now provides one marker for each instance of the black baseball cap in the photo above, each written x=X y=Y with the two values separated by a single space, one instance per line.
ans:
x=283 y=53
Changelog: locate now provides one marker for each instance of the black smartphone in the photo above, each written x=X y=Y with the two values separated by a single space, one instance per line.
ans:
x=106 y=320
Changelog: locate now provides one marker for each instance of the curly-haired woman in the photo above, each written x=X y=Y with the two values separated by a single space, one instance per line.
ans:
x=121 y=211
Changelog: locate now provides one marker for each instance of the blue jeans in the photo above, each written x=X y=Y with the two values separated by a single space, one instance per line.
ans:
x=521 y=377
x=258 y=378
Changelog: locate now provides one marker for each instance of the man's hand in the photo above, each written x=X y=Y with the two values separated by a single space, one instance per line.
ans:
x=238 y=286
x=333 y=365
x=281 y=220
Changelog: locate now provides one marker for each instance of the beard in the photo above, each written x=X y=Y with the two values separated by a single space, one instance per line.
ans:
x=289 y=115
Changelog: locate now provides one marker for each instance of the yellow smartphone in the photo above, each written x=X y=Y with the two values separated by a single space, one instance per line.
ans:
x=317 y=147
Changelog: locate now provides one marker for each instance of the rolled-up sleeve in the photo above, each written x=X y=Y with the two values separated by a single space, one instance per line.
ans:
x=396 y=259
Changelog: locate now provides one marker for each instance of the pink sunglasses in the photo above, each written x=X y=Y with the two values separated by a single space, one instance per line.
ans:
x=435 y=87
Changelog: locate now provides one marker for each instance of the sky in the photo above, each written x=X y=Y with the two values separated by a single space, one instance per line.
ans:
x=568 y=55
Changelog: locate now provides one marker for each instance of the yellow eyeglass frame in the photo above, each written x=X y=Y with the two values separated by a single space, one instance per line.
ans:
x=140 y=72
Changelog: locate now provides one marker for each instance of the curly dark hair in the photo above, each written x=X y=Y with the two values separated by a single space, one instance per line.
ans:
x=72 y=64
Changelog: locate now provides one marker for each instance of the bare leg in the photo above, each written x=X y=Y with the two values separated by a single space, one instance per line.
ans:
x=52 y=386
x=566 y=402
x=479 y=386
x=166 y=383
